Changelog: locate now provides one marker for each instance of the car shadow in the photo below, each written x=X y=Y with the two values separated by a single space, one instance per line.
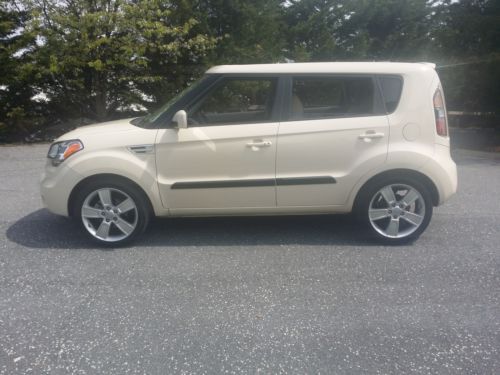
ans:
x=43 y=230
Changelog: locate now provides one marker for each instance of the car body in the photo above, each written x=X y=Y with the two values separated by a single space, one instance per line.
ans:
x=300 y=138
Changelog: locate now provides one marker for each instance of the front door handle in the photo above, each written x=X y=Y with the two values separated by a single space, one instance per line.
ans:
x=369 y=135
x=255 y=145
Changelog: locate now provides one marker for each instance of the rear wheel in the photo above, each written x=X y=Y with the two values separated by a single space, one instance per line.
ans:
x=111 y=213
x=396 y=210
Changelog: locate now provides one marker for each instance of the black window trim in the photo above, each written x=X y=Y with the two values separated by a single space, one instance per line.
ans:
x=165 y=120
x=398 y=76
x=282 y=103
x=277 y=102
x=379 y=106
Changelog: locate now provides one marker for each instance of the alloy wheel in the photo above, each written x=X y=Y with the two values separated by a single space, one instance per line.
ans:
x=396 y=211
x=109 y=214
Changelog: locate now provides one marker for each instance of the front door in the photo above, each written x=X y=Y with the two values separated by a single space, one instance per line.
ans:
x=225 y=160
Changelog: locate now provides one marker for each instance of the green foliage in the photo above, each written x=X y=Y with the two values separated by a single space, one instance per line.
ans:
x=388 y=29
x=468 y=44
x=18 y=113
x=99 y=56
x=313 y=29
x=94 y=59
x=247 y=31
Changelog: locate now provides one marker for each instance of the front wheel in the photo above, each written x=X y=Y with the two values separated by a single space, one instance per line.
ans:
x=396 y=210
x=111 y=214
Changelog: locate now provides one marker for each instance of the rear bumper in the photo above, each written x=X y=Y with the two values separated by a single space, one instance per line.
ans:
x=443 y=172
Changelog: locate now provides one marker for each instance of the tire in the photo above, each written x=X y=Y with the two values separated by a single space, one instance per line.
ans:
x=110 y=212
x=395 y=210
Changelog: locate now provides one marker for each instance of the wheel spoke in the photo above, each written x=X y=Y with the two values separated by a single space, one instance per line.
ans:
x=388 y=194
x=125 y=227
x=105 y=197
x=378 y=213
x=103 y=230
x=127 y=205
x=413 y=218
x=91 y=212
x=410 y=197
x=393 y=227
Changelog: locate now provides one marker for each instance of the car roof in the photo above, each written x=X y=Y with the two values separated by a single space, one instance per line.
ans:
x=324 y=67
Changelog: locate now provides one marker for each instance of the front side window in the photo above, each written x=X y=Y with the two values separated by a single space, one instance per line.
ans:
x=327 y=97
x=235 y=101
x=150 y=119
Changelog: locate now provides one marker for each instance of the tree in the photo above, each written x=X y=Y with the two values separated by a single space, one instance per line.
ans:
x=16 y=76
x=387 y=30
x=467 y=44
x=100 y=59
x=247 y=31
x=314 y=27
x=100 y=56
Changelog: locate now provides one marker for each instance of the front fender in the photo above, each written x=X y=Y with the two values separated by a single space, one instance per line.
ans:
x=139 y=168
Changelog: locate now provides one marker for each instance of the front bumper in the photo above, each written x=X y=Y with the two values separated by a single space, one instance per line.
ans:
x=56 y=185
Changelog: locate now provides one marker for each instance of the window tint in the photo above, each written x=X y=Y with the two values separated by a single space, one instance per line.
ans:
x=235 y=101
x=391 y=90
x=325 y=97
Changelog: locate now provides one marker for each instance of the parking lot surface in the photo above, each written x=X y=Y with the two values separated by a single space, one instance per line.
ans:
x=250 y=295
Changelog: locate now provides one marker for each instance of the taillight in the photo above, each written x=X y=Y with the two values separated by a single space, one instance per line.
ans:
x=440 y=114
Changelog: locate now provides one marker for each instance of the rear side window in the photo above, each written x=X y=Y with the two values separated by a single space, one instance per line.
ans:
x=327 y=97
x=391 y=87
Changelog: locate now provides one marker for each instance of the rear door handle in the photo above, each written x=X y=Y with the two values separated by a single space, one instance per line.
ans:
x=369 y=135
x=257 y=144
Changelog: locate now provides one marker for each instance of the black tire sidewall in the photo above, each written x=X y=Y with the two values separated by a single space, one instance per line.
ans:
x=143 y=213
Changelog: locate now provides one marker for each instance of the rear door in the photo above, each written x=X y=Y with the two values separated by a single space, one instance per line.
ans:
x=335 y=130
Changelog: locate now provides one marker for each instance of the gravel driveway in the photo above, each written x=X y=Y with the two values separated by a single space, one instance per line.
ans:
x=250 y=295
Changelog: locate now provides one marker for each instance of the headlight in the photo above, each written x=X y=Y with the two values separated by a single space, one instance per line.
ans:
x=60 y=151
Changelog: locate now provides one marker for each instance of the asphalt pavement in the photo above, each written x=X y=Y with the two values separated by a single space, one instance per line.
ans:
x=250 y=295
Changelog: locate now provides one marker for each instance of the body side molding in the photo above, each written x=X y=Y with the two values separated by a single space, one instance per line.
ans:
x=287 y=181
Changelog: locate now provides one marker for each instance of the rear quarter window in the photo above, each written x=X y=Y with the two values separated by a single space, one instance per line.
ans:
x=391 y=87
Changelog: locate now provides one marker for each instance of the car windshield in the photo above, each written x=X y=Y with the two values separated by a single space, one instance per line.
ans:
x=150 y=118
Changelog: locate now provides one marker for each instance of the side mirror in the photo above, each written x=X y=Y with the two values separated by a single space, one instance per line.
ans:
x=180 y=118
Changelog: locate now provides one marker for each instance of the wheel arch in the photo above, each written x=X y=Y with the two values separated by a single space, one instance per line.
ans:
x=394 y=173
x=105 y=177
